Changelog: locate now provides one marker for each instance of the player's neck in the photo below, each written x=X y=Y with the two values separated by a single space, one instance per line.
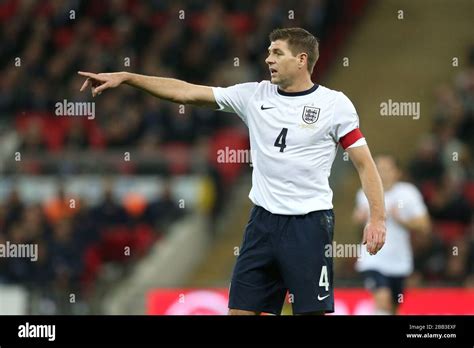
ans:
x=298 y=86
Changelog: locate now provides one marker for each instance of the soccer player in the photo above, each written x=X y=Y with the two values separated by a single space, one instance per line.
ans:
x=384 y=273
x=295 y=128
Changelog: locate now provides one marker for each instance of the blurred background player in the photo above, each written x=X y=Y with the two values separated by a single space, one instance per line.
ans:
x=385 y=273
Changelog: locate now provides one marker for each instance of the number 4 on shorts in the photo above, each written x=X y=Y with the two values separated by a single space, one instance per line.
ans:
x=323 y=278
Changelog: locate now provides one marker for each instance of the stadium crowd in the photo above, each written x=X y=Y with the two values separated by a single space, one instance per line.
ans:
x=443 y=169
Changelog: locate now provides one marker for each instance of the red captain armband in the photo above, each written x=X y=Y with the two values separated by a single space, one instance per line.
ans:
x=350 y=138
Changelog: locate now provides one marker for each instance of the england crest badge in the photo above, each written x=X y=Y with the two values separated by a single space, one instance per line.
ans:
x=310 y=114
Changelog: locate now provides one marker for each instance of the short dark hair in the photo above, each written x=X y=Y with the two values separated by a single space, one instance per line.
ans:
x=395 y=160
x=299 y=40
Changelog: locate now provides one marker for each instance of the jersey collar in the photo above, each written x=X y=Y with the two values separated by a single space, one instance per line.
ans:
x=297 y=94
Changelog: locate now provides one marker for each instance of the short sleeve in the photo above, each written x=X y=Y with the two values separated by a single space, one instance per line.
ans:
x=235 y=98
x=345 y=129
x=412 y=204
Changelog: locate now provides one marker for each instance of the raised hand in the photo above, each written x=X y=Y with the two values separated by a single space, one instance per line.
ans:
x=101 y=82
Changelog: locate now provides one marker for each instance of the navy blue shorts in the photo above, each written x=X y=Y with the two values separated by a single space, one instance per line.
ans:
x=280 y=254
x=374 y=280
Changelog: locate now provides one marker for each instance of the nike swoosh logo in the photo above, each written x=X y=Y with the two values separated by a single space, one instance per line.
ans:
x=266 y=108
x=322 y=298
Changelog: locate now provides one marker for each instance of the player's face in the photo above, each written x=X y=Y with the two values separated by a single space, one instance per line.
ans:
x=283 y=65
x=388 y=171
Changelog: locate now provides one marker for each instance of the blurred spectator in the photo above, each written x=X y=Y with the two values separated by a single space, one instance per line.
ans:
x=465 y=87
x=13 y=209
x=427 y=164
x=109 y=212
x=85 y=226
x=164 y=210
x=448 y=203
x=65 y=255
x=18 y=269
x=32 y=138
x=452 y=216
x=60 y=207
x=76 y=138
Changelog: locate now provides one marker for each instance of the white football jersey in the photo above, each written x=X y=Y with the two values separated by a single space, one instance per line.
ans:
x=293 y=139
x=396 y=257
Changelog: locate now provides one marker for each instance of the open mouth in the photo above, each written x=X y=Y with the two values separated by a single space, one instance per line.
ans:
x=273 y=71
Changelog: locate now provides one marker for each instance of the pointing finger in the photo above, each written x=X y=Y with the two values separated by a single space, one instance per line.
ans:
x=85 y=84
x=91 y=75
x=87 y=74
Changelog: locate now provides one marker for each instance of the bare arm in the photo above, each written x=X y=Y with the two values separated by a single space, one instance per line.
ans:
x=374 y=232
x=173 y=90
x=370 y=180
x=420 y=224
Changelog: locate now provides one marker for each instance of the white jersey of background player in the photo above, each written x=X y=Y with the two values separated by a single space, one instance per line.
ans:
x=406 y=213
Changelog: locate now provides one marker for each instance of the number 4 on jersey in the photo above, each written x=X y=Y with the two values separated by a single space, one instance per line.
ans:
x=323 y=278
x=281 y=139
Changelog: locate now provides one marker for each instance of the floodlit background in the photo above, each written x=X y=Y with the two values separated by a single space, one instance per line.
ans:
x=133 y=212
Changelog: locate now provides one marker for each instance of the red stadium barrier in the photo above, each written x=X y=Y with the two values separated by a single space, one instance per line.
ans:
x=438 y=301
x=187 y=302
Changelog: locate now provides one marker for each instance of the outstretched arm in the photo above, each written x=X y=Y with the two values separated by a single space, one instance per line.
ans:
x=374 y=232
x=173 y=90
